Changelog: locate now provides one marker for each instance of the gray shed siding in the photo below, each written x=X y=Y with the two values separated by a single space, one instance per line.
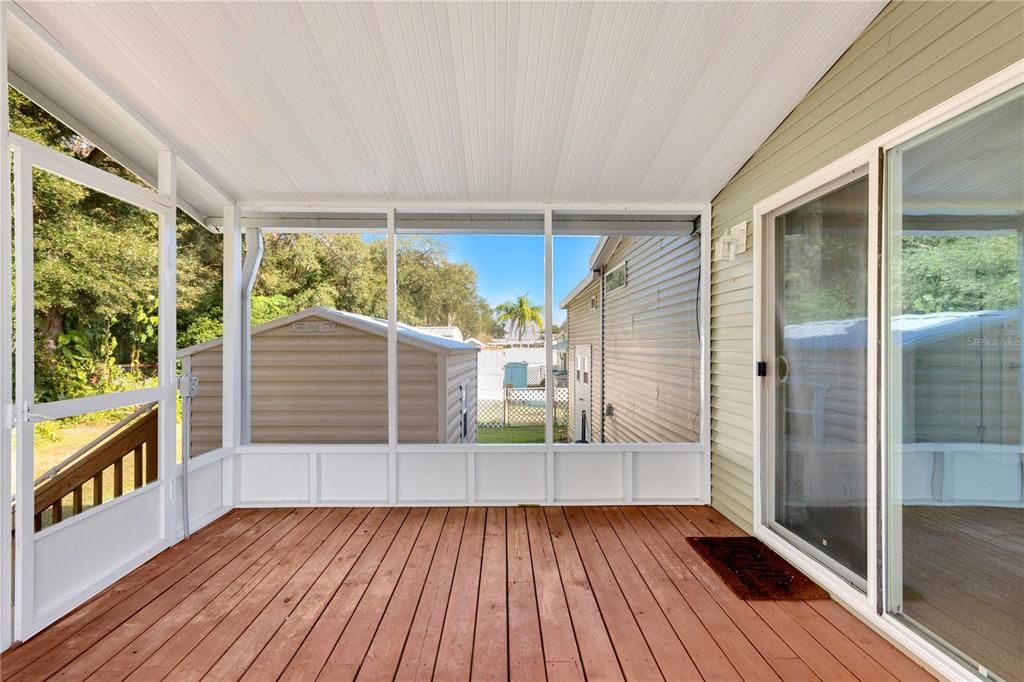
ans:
x=644 y=344
x=913 y=56
x=651 y=353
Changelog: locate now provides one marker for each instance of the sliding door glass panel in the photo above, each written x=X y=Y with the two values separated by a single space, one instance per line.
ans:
x=956 y=220
x=821 y=269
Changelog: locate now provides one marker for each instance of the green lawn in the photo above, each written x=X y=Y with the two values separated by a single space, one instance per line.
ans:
x=533 y=433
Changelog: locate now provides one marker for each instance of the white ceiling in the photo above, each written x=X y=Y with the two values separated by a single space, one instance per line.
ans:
x=434 y=102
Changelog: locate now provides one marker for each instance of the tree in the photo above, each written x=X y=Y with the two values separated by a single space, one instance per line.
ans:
x=95 y=270
x=958 y=274
x=520 y=313
x=96 y=276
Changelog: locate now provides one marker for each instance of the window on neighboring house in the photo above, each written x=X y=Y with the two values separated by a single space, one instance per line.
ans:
x=615 y=278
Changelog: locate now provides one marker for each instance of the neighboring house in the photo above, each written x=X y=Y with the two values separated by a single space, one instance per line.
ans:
x=632 y=347
x=320 y=376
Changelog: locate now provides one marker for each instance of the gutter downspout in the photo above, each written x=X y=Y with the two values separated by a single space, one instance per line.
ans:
x=253 y=258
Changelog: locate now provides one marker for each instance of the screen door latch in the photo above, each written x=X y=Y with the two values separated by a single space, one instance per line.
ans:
x=761 y=369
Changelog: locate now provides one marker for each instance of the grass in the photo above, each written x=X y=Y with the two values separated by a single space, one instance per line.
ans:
x=533 y=433
x=64 y=438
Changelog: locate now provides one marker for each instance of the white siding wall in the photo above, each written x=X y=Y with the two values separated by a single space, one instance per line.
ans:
x=912 y=57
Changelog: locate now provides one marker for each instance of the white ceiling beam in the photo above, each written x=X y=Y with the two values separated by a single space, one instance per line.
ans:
x=164 y=143
x=62 y=115
x=688 y=207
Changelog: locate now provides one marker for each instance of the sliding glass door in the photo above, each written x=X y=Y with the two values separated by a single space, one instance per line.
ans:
x=818 y=389
x=955 y=216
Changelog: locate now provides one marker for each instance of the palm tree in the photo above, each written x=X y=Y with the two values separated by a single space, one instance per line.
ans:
x=520 y=313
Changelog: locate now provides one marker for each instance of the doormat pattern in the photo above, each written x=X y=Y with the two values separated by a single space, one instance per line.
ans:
x=753 y=571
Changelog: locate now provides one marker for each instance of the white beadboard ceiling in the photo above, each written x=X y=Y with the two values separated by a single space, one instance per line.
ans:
x=566 y=103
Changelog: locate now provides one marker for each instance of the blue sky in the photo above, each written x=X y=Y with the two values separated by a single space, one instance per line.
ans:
x=507 y=266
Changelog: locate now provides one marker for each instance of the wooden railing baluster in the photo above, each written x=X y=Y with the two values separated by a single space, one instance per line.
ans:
x=138 y=438
x=151 y=450
x=119 y=477
x=137 y=473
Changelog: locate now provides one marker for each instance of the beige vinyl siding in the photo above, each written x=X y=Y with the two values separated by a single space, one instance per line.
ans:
x=461 y=371
x=322 y=388
x=650 y=376
x=913 y=56
x=584 y=327
x=207 y=411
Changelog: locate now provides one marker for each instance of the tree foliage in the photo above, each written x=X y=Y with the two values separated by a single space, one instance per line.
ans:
x=520 y=313
x=348 y=272
x=96 y=276
x=959 y=274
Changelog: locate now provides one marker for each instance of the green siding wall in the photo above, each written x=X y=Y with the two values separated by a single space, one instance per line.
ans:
x=912 y=57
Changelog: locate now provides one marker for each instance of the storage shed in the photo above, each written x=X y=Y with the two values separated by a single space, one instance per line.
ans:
x=320 y=376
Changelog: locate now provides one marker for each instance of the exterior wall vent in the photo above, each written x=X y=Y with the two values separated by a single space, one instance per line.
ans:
x=314 y=327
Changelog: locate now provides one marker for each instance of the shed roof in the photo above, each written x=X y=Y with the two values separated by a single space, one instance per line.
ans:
x=373 y=325
x=914 y=329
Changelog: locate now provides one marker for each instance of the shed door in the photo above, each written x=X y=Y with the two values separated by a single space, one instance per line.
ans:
x=581 y=392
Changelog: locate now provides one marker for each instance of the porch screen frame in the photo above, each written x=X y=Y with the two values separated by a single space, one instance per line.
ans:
x=24 y=412
x=328 y=217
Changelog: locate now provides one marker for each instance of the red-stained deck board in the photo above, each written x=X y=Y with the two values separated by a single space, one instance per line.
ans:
x=450 y=593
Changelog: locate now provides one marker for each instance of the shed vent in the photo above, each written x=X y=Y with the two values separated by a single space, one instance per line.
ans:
x=308 y=327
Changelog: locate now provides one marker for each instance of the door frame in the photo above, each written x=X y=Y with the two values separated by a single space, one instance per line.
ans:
x=797 y=551
x=588 y=369
x=884 y=532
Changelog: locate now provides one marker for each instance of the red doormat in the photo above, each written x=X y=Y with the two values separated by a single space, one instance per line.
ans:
x=753 y=571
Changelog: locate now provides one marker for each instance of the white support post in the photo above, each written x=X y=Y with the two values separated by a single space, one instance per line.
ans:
x=232 y=373
x=549 y=370
x=24 y=531
x=167 y=343
x=549 y=375
x=392 y=302
x=874 y=433
x=704 y=326
x=6 y=373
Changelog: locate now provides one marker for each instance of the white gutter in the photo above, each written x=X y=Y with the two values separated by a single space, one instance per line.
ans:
x=253 y=258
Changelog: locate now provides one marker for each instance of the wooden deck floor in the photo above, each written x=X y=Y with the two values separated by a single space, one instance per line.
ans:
x=449 y=593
